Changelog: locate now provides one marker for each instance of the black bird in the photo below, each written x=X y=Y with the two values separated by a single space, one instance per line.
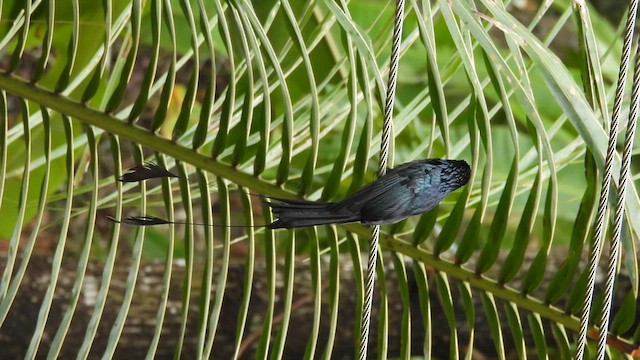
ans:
x=406 y=190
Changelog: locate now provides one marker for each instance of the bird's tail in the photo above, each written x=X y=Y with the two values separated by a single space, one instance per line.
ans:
x=300 y=213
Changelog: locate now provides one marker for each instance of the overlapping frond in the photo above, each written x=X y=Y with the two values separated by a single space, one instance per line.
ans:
x=212 y=103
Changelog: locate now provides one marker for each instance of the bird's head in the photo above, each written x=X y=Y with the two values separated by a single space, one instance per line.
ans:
x=454 y=174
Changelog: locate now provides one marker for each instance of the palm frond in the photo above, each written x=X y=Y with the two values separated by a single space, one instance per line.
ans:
x=228 y=99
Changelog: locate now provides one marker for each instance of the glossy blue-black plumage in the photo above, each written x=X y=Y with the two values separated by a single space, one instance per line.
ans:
x=406 y=190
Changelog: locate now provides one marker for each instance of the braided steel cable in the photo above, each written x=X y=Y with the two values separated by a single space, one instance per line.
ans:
x=387 y=133
x=614 y=254
x=601 y=217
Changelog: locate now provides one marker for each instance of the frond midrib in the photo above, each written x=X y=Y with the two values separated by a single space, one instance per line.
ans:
x=115 y=126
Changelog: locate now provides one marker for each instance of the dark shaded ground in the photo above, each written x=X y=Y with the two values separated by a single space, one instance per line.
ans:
x=16 y=331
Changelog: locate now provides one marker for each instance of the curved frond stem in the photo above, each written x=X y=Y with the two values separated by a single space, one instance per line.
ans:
x=22 y=37
x=189 y=239
x=109 y=262
x=120 y=89
x=168 y=264
x=134 y=269
x=248 y=278
x=316 y=288
x=72 y=50
x=146 y=85
x=45 y=307
x=169 y=78
x=207 y=274
x=12 y=253
x=81 y=269
x=247 y=109
x=46 y=42
x=190 y=96
x=287 y=131
x=314 y=120
x=221 y=281
x=94 y=83
x=207 y=105
x=7 y=298
x=334 y=290
x=285 y=316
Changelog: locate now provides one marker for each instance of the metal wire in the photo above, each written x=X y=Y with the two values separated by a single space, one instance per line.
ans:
x=387 y=133
x=601 y=217
x=614 y=254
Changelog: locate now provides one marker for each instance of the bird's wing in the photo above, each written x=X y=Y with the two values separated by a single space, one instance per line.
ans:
x=397 y=176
